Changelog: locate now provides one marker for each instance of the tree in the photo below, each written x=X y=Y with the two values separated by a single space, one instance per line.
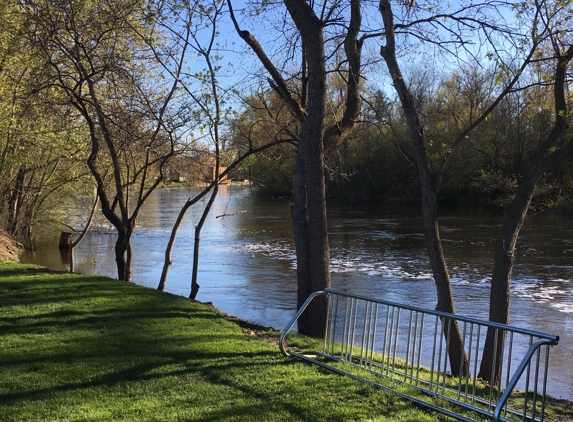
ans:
x=40 y=144
x=203 y=89
x=96 y=58
x=557 y=146
x=473 y=18
x=308 y=104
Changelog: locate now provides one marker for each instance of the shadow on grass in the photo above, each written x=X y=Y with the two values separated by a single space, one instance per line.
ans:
x=94 y=342
x=136 y=331
x=141 y=372
x=19 y=270
x=93 y=319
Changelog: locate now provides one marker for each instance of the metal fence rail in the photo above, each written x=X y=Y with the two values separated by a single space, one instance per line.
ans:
x=370 y=340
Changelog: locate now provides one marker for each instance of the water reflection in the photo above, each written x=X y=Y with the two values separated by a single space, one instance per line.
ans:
x=247 y=265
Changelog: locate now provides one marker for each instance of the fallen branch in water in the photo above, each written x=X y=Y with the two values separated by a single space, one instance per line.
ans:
x=228 y=215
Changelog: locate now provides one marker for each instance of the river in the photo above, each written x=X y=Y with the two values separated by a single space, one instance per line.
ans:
x=247 y=262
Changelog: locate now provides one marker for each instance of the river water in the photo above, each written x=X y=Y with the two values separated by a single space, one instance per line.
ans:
x=247 y=261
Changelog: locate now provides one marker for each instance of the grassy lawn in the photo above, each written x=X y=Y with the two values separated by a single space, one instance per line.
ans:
x=89 y=348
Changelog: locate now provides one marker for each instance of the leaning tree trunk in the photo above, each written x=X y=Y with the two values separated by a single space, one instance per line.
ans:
x=458 y=359
x=167 y=261
x=311 y=189
x=550 y=154
x=82 y=234
x=490 y=368
x=194 y=283
x=504 y=259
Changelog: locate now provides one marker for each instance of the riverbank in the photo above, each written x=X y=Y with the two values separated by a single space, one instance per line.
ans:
x=83 y=347
x=10 y=250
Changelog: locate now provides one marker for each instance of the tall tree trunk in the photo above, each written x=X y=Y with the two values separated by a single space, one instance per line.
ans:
x=122 y=245
x=458 y=359
x=504 y=259
x=308 y=208
x=490 y=368
x=311 y=190
x=300 y=228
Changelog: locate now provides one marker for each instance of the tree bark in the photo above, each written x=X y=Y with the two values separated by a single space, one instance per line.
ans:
x=458 y=360
x=308 y=208
x=122 y=246
x=312 y=191
x=198 y=228
x=16 y=200
x=299 y=222
x=504 y=258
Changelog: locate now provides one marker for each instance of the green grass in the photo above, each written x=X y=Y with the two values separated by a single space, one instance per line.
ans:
x=88 y=348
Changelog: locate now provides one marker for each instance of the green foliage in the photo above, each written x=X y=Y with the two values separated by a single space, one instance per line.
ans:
x=376 y=162
x=274 y=177
x=497 y=188
x=264 y=120
x=370 y=166
x=41 y=142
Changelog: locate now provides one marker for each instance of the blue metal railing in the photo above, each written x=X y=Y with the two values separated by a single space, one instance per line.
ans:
x=369 y=339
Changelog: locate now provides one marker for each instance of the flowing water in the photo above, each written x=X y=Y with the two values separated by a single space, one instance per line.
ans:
x=247 y=261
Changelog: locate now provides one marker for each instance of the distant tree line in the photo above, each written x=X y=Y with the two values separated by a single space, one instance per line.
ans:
x=376 y=164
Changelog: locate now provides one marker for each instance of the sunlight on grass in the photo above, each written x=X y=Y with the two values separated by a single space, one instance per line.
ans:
x=82 y=347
